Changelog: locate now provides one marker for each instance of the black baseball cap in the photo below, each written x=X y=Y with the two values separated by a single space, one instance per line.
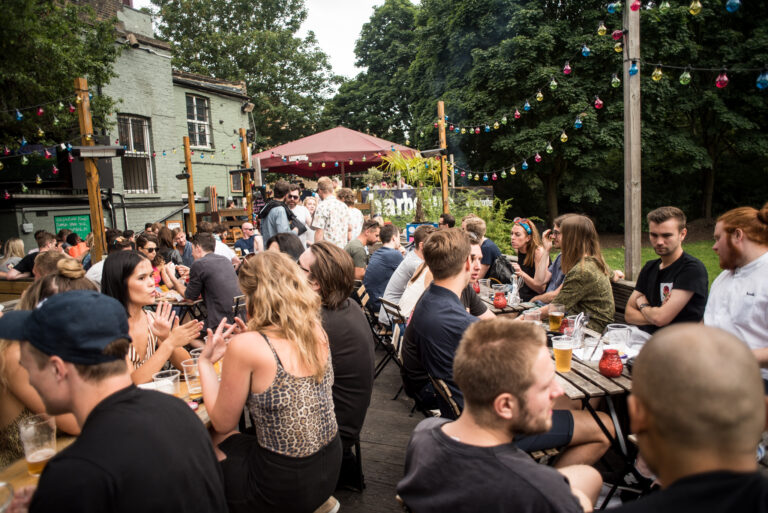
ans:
x=75 y=326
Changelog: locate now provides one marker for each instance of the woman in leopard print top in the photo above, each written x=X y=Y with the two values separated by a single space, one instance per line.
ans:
x=279 y=366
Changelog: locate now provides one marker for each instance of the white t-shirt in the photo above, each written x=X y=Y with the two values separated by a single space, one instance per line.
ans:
x=224 y=250
x=302 y=214
x=738 y=303
x=94 y=273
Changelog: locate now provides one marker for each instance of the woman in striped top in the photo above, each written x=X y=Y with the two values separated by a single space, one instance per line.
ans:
x=156 y=338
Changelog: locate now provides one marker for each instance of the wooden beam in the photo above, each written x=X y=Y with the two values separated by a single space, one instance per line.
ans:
x=190 y=187
x=632 y=146
x=443 y=166
x=91 y=171
x=246 y=159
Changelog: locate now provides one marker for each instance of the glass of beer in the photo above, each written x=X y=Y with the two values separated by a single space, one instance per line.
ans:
x=167 y=381
x=38 y=435
x=556 y=313
x=192 y=377
x=563 y=348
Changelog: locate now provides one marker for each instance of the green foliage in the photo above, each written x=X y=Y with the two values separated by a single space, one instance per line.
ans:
x=288 y=78
x=46 y=45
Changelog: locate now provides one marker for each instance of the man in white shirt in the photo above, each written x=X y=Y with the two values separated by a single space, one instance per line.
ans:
x=738 y=299
x=330 y=222
x=301 y=212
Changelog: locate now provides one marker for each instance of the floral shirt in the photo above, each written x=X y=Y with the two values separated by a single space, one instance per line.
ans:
x=355 y=222
x=331 y=217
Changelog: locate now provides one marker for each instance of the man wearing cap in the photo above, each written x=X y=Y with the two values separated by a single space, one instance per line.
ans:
x=139 y=450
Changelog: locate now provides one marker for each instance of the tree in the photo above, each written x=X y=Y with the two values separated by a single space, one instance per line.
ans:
x=45 y=46
x=288 y=78
x=378 y=100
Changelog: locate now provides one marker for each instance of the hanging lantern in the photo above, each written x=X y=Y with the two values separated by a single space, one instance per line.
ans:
x=563 y=137
x=550 y=149
x=615 y=80
x=657 y=74
x=722 y=80
x=552 y=85
x=539 y=96
x=566 y=69
x=695 y=7
x=685 y=77
x=525 y=165
x=537 y=158
x=602 y=29
x=54 y=170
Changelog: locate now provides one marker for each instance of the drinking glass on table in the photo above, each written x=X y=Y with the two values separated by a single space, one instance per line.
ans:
x=192 y=377
x=485 y=287
x=556 y=314
x=6 y=496
x=532 y=316
x=38 y=436
x=562 y=347
x=167 y=381
x=616 y=335
x=195 y=354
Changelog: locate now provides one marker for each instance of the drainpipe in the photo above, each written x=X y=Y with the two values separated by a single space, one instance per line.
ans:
x=122 y=205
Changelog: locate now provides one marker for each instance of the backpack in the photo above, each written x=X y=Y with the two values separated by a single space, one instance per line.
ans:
x=501 y=270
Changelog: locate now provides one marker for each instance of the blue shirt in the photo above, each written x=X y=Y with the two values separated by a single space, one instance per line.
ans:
x=490 y=253
x=381 y=265
x=275 y=222
x=557 y=274
x=437 y=324
x=186 y=255
x=246 y=245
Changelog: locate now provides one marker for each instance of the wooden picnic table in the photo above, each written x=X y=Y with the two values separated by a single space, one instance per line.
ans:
x=16 y=473
x=509 y=309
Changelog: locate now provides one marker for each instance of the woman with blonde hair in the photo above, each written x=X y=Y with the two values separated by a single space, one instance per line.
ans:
x=13 y=252
x=310 y=202
x=18 y=399
x=279 y=367
x=526 y=241
x=586 y=287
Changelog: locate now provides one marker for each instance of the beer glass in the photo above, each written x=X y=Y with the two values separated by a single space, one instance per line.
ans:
x=556 y=313
x=563 y=348
x=167 y=381
x=38 y=436
x=192 y=377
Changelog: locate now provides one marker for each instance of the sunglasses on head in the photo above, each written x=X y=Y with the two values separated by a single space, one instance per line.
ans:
x=525 y=223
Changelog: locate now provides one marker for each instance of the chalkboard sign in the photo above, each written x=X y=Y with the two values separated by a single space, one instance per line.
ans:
x=80 y=224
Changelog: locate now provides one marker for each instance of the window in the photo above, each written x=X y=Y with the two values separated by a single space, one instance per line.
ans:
x=198 y=121
x=236 y=182
x=133 y=133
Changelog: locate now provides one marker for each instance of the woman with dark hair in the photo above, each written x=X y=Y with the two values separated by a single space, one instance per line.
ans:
x=156 y=337
x=586 y=287
x=165 y=246
x=330 y=271
x=288 y=243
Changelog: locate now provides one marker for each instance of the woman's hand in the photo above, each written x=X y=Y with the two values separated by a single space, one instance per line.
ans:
x=546 y=241
x=163 y=321
x=182 y=335
x=240 y=326
x=216 y=342
x=517 y=270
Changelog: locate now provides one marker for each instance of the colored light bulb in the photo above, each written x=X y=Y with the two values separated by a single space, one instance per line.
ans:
x=6 y=151
x=407 y=142
x=504 y=120
x=615 y=81
x=618 y=47
x=457 y=130
x=578 y=123
x=70 y=158
x=496 y=125
x=566 y=69
x=60 y=106
x=585 y=51
x=1 y=166
x=322 y=165
x=164 y=154
x=69 y=146
x=6 y=195
x=550 y=149
x=233 y=146
x=487 y=128
x=38 y=180
x=435 y=124
x=695 y=7
x=88 y=137
x=762 y=81
x=19 y=115
x=617 y=35
x=636 y=5
x=40 y=132
x=657 y=74
x=78 y=99
x=513 y=171
x=202 y=155
x=55 y=121
x=40 y=111
x=722 y=80
x=563 y=137
x=47 y=154
x=309 y=163
x=365 y=158
x=451 y=128
x=174 y=151
x=71 y=108
x=23 y=141
x=633 y=69
x=685 y=78
x=552 y=86
x=503 y=174
x=527 y=106
x=477 y=129
x=477 y=176
x=664 y=6
x=539 y=96
x=54 y=170
x=525 y=165
x=24 y=160
x=732 y=5
x=537 y=158
x=602 y=29
x=463 y=130
x=485 y=178
x=421 y=133
x=24 y=188
x=350 y=162
x=517 y=114
x=611 y=7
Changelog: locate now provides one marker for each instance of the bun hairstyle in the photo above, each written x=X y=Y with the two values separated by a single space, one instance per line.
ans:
x=69 y=275
x=70 y=269
x=753 y=222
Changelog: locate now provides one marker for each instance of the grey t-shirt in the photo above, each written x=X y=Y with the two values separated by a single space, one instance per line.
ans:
x=358 y=252
x=443 y=474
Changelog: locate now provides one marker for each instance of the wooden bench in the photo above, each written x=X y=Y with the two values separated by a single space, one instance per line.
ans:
x=12 y=289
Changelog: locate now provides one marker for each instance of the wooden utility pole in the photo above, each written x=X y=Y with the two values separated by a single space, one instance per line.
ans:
x=247 y=178
x=91 y=171
x=190 y=186
x=632 y=146
x=443 y=145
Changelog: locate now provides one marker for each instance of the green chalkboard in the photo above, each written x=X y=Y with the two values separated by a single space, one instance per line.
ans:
x=80 y=224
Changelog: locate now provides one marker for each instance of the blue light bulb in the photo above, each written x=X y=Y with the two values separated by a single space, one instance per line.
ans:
x=611 y=8
x=457 y=130
x=525 y=164
x=578 y=123
x=585 y=51
x=19 y=115
x=527 y=106
x=762 y=81
x=633 y=69
x=485 y=178
x=732 y=5
x=487 y=129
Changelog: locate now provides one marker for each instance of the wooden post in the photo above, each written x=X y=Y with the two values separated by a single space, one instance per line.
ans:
x=190 y=187
x=632 y=147
x=443 y=166
x=91 y=171
x=246 y=159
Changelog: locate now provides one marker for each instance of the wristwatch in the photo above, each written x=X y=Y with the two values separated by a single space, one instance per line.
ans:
x=644 y=305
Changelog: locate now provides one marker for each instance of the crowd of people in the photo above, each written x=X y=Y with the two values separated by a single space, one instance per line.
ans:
x=288 y=404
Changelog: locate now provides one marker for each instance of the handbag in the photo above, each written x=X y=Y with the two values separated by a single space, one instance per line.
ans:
x=501 y=270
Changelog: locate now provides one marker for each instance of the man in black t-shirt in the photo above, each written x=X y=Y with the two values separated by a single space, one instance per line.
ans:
x=24 y=269
x=138 y=450
x=490 y=251
x=672 y=288
x=698 y=410
x=474 y=464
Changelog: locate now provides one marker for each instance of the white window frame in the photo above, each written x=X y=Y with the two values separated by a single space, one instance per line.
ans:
x=132 y=153
x=202 y=127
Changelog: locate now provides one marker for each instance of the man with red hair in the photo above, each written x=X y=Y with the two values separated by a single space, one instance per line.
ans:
x=738 y=299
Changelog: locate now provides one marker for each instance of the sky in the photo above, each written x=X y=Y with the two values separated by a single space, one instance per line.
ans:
x=336 y=24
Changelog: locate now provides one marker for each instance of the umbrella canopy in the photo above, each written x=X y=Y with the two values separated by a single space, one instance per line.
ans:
x=332 y=152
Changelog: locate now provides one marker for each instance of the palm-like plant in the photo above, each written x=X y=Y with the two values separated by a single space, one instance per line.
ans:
x=422 y=173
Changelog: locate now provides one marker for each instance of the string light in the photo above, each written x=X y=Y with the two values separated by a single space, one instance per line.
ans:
x=585 y=51
x=685 y=78
x=732 y=5
x=563 y=137
x=524 y=165
x=566 y=69
x=633 y=69
x=657 y=74
x=722 y=80
x=602 y=29
x=695 y=7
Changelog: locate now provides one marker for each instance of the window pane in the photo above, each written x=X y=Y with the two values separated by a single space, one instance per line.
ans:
x=202 y=111
x=137 y=129
x=190 y=107
x=123 y=130
x=192 y=129
x=136 y=174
